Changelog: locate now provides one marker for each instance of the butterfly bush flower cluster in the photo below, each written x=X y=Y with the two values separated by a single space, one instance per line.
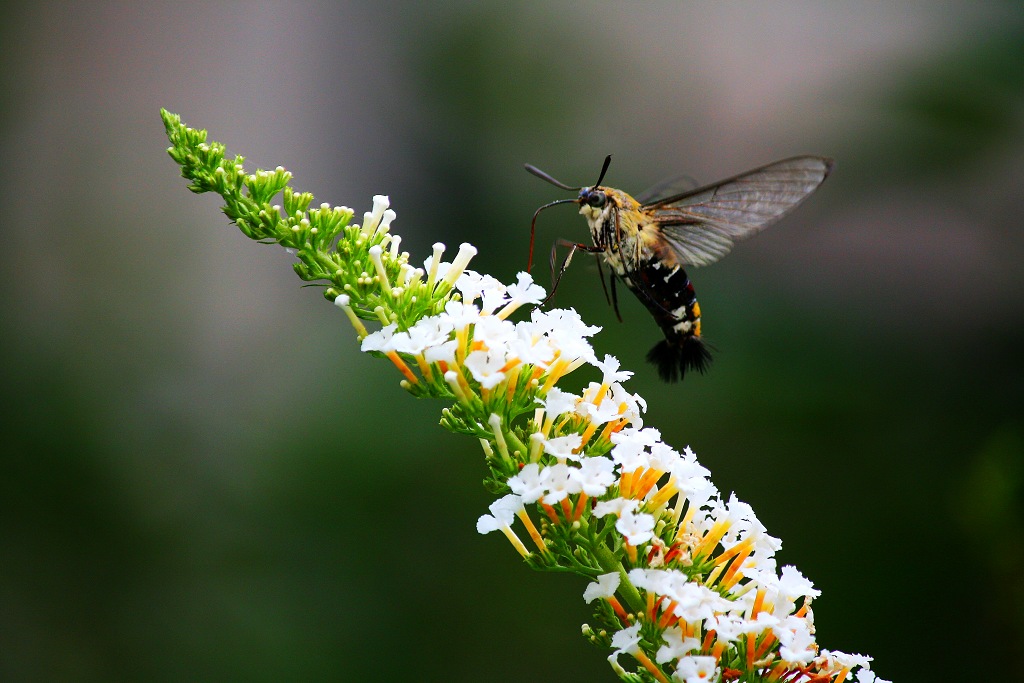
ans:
x=683 y=580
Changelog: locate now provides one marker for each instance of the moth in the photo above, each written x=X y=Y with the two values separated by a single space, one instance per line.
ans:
x=649 y=241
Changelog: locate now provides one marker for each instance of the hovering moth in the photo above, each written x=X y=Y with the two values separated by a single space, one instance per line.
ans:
x=650 y=240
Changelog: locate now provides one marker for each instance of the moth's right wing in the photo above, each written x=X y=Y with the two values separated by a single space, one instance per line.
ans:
x=702 y=225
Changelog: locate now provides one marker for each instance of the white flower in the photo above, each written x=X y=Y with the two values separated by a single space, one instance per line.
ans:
x=503 y=514
x=466 y=253
x=385 y=224
x=690 y=475
x=610 y=372
x=695 y=602
x=629 y=452
x=731 y=626
x=604 y=587
x=676 y=645
x=627 y=640
x=728 y=627
x=868 y=676
x=637 y=527
x=564 y=321
x=485 y=368
x=495 y=333
x=663 y=457
x=796 y=639
x=765 y=547
x=634 y=404
x=491 y=297
x=444 y=352
x=558 y=483
x=380 y=340
x=557 y=402
x=696 y=670
x=408 y=274
x=594 y=475
x=698 y=491
x=459 y=314
x=742 y=521
x=598 y=414
x=531 y=348
x=568 y=328
x=833 y=659
x=615 y=506
x=528 y=483
x=371 y=219
x=525 y=291
x=433 y=265
x=794 y=585
x=474 y=285
x=652 y=580
x=427 y=332
x=380 y=203
x=643 y=438
x=563 y=446
x=631 y=444
x=785 y=591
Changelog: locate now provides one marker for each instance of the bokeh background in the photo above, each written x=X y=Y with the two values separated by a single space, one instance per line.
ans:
x=202 y=477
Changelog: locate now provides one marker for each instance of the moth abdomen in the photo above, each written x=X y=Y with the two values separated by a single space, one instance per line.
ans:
x=674 y=358
x=668 y=294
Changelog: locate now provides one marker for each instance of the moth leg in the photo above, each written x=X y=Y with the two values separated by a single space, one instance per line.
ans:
x=573 y=247
x=612 y=300
x=615 y=300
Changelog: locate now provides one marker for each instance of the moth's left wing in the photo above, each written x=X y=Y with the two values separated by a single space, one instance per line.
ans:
x=702 y=225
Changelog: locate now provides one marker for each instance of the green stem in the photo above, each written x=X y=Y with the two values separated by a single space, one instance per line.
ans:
x=610 y=563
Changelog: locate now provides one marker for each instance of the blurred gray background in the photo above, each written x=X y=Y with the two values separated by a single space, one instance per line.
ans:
x=203 y=479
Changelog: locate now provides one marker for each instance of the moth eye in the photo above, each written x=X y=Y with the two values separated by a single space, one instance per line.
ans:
x=597 y=199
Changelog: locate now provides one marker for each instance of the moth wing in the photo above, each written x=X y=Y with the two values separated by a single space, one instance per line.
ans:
x=702 y=225
x=669 y=187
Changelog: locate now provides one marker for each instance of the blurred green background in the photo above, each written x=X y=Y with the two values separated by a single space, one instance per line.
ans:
x=203 y=479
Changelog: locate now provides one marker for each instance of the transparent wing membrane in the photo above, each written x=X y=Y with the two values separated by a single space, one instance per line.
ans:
x=669 y=187
x=702 y=225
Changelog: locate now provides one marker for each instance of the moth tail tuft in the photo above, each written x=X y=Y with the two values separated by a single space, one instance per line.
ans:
x=673 y=360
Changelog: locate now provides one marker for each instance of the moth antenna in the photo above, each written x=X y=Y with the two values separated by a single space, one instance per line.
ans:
x=604 y=169
x=544 y=176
